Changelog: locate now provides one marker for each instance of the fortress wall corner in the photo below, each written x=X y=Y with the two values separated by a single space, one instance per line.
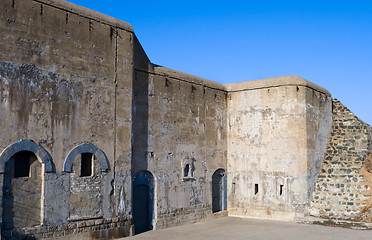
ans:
x=277 y=132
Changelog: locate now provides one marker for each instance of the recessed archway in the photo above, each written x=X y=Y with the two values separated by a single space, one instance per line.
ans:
x=86 y=165
x=219 y=191
x=23 y=165
x=27 y=145
x=85 y=148
x=143 y=201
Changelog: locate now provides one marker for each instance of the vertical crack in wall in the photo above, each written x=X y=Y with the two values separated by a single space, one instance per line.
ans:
x=115 y=111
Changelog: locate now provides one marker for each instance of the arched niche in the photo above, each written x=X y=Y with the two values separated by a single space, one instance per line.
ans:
x=219 y=190
x=22 y=167
x=87 y=166
x=85 y=148
x=27 y=145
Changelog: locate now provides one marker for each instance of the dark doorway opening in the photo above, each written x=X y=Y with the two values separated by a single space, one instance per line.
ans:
x=143 y=202
x=219 y=191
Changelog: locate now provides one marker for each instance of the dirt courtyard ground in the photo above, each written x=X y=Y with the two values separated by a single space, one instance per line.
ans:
x=253 y=229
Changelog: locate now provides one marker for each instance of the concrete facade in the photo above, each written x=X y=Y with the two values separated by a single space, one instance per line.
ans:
x=98 y=142
x=278 y=130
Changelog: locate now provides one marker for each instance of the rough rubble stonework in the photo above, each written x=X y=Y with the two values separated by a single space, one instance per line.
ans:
x=98 y=142
x=343 y=187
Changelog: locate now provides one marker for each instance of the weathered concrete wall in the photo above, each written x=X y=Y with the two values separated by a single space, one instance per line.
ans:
x=343 y=189
x=76 y=82
x=275 y=131
x=318 y=129
x=185 y=122
x=66 y=79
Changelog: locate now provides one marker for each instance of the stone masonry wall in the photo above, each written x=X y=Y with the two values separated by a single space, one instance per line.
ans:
x=341 y=191
x=185 y=215
x=88 y=229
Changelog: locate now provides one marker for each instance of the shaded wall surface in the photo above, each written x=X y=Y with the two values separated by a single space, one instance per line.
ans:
x=22 y=196
x=179 y=135
x=186 y=143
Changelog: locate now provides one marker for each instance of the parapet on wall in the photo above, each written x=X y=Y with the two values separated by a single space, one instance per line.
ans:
x=277 y=132
x=116 y=134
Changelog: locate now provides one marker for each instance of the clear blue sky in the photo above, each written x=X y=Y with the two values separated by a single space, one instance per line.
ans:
x=326 y=42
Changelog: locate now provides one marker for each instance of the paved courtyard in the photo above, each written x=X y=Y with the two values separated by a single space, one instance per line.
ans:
x=253 y=229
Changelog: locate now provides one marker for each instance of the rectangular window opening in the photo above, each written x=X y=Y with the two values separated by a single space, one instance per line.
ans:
x=233 y=187
x=86 y=164
x=22 y=163
x=186 y=171
x=255 y=188
x=281 y=190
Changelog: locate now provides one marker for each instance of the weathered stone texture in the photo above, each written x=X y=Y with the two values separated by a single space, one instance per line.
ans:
x=66 y=79
x=341 y=191
x=89 y=229
x=181 y=216
x=22 y=197
x=273 y=132
x=75 y=82
x=85 y=192
x=186 y=120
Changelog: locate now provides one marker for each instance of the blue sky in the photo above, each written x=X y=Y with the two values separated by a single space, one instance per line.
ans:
x=326 y=42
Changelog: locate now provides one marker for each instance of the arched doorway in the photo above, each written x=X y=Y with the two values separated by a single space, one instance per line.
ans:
x=143 y=201
x=22 y=166
x=22 y=191
x=219 y=191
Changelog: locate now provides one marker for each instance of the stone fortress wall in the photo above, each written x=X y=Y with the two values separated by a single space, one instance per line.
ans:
x=63 y=71
x=98 y=142
x=278 y=130
x=343 y=187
